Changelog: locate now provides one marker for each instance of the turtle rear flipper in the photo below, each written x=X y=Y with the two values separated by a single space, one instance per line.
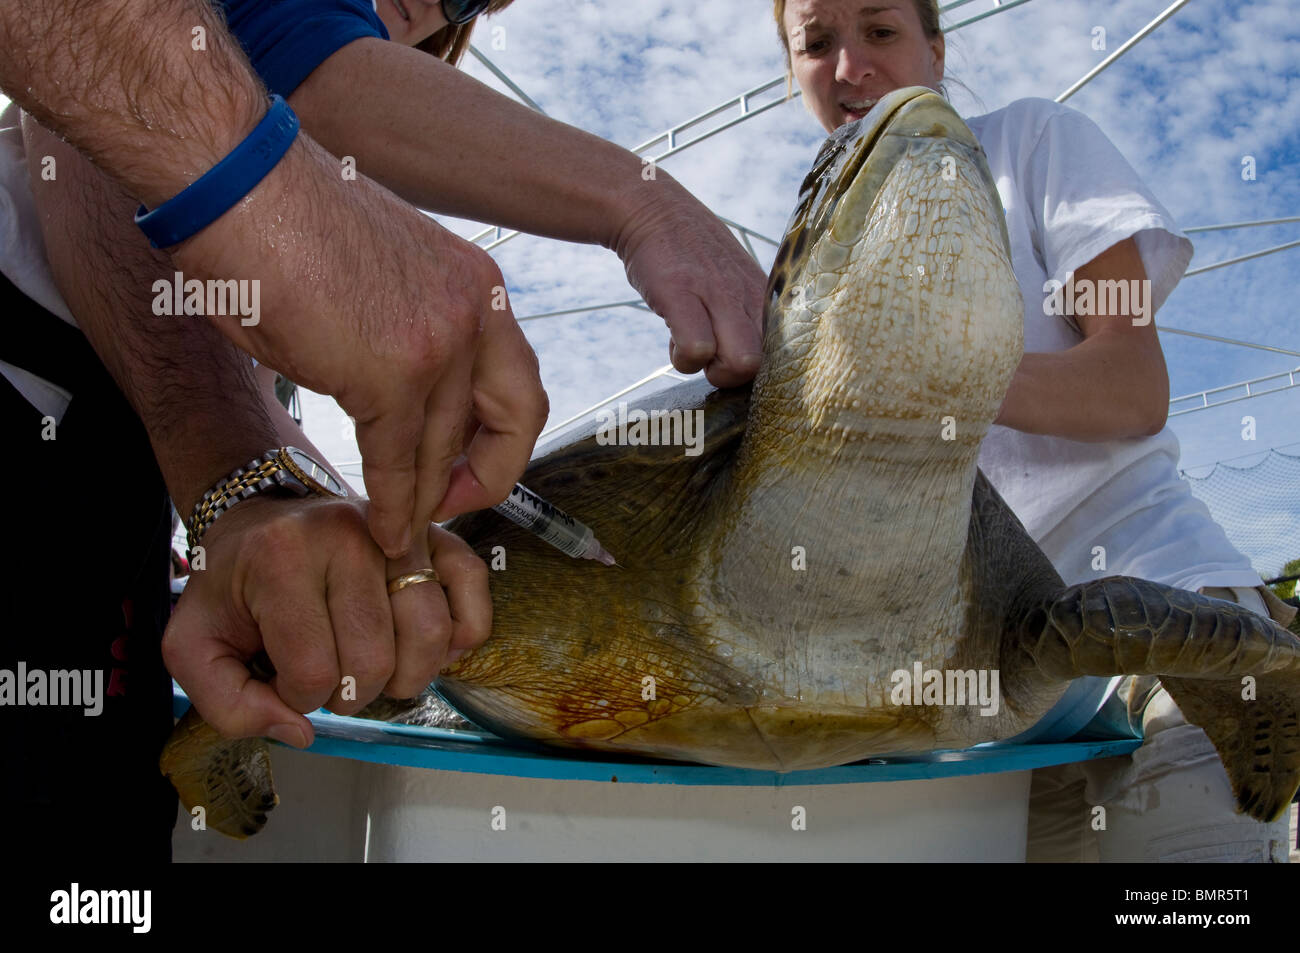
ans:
x=1232 y=672
x=1258 y=740
x=229 y=778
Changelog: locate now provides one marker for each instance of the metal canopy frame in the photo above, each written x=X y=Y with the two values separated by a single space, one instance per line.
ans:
x=759 y=99
x=1231 y=393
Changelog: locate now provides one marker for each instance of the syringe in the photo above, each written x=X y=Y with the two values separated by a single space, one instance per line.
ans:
x=552 y=525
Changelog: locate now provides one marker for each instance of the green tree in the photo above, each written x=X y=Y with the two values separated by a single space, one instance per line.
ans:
x=1286 y=590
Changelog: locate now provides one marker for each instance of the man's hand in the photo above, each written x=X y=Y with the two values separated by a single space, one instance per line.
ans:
x=691 y=270
x=546 y=178
x=269 y=562
x=405 y=324
x=303 y=580
x=361 y=297
x=464 y=578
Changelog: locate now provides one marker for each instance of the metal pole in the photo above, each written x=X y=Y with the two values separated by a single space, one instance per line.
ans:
x=1262 y=221
x=749 y=231
x=1169 y=11
x=590 y=307
x=1233 y=261
x=988 y=13
x=527 y=100
x=1225 y=403
x=594 y=407
x=1215 y=337
x=747 y=111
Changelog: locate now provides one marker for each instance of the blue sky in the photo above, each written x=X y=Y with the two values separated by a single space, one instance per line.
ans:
x=1214 y=83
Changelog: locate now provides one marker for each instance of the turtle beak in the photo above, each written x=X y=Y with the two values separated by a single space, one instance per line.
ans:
x=839 y=191
x=836 y=173
x=899 y=239
x=871 y=150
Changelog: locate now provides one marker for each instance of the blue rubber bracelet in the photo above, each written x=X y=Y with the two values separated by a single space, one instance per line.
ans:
x=210 y=196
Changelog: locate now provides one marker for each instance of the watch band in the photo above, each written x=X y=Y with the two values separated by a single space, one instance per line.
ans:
x=273 y=469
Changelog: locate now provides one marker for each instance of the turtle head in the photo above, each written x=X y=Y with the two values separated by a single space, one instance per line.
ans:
x=832 y=176
x=892 y=296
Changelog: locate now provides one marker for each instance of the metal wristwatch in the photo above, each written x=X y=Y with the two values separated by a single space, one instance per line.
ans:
x=285 y=468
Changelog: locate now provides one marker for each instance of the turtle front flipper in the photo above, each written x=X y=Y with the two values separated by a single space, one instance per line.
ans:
x=1232 y=672
x=229 y=778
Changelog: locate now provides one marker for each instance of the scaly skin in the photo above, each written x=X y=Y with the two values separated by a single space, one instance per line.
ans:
x=898 y=311
x=1232 y=672
x=906 y=312
x=834 y=530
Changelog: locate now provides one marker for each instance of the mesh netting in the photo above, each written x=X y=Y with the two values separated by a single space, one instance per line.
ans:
x=1258 y=506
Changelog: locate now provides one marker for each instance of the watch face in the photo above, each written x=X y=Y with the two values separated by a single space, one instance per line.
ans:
x=312 y=473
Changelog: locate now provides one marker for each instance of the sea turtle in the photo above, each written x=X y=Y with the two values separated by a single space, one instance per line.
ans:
x=833 y=532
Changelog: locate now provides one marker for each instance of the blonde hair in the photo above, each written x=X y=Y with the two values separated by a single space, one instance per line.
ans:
x=926 y=10
x=451 y=42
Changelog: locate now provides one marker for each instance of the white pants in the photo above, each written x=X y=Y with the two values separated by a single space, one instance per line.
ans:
x=1169 y=800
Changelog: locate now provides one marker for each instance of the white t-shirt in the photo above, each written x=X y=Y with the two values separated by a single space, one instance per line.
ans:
x=1069 y=195
x=23 y=259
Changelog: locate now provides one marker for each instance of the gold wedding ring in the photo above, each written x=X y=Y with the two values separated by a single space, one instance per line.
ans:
x=411 y=579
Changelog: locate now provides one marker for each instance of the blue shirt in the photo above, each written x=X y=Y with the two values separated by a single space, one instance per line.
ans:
x=287 y=39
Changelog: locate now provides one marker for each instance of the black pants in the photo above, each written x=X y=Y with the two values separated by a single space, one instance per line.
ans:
x=85 y=538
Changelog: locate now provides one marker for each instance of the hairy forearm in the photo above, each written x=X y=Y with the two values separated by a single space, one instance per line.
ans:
x=447 y=143
x=123 y=82
x=193 y=390
x=1100 y=389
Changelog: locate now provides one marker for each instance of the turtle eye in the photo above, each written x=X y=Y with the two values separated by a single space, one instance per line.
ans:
x=780 y=279
x=782 y=256
x=800 y=243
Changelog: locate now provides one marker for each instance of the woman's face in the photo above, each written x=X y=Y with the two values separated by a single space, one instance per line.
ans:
x=410 y=21
x=847 y=54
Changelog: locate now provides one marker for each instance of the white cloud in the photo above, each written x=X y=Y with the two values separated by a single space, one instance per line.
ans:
x=1214 y=83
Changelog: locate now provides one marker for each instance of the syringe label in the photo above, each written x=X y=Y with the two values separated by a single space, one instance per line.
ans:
x=529 y=519
x=548 y=523
x=526 y=499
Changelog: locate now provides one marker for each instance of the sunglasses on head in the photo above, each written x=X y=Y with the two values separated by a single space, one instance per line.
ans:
x=458 y=12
